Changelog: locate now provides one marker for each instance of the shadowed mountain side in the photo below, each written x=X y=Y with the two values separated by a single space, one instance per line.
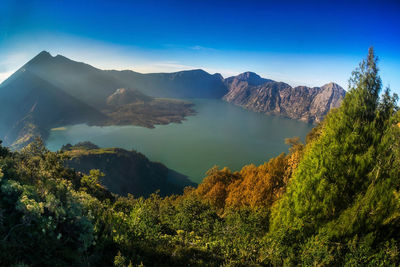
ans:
x=30 y=106
x=93 y=85
x=49 y=92
x=182 y=84
x=126 y=171
x=89 y=84
x=302 y=103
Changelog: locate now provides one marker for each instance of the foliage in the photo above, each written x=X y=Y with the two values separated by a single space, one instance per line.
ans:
x=41 y=212
x=333 y=201
x=253 y=186
x=345 y=186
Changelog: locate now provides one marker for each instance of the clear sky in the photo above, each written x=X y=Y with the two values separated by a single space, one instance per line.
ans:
x=298 y=42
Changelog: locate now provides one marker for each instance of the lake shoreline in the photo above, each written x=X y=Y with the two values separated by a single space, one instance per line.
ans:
x=219 y=134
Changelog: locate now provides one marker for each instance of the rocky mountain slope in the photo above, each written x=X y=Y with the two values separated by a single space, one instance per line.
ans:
x=308 y=104
x=125 y=171
x=52 y=91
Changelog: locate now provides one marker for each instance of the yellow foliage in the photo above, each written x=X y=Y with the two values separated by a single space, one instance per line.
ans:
x=253 y=186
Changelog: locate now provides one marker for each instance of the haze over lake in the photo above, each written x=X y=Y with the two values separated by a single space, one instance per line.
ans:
x=219 y=134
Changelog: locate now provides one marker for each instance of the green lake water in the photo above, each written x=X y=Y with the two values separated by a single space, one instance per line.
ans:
x=219 y=134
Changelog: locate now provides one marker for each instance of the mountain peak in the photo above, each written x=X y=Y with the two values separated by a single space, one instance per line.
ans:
x=196 y=72
x=43 y=55
x=249 y=75
x=251 y=78
x=44 y=52
x=219 y=76
x=333 y=86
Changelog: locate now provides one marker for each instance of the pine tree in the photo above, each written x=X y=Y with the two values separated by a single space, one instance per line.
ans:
x=344 y=174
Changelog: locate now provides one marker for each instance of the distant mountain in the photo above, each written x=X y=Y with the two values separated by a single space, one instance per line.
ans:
x=31 y=105
x=126 y=171
x=93 y=85
x=52 y=91
x=182 y=84
x=247 y=78
x=302 y=103
x=79 y=80
x=49 y=92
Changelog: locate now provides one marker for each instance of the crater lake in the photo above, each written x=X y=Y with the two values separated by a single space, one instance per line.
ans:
x=219 y=134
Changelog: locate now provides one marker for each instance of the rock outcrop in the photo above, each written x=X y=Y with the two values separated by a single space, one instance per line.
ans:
x=308 y=104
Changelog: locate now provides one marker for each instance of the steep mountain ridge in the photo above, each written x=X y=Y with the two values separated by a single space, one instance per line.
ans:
x=63 y=91
x=94 y=85
x=31 y=106
x=183 y=84
x=308 y=104
x=49 y=91
x=78 y=79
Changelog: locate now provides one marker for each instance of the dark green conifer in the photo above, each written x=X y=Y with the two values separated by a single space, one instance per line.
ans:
x=344 y=186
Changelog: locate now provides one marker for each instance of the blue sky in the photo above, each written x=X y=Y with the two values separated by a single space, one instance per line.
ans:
x=299 y=42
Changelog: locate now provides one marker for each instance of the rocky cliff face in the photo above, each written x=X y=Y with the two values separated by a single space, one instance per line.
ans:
x=302 y=103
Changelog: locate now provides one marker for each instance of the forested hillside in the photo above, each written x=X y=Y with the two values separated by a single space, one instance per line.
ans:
x=333 y=201
x=125 y=172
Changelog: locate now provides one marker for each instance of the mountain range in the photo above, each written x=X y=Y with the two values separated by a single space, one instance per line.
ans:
x=52 y=91
x=308 y=104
